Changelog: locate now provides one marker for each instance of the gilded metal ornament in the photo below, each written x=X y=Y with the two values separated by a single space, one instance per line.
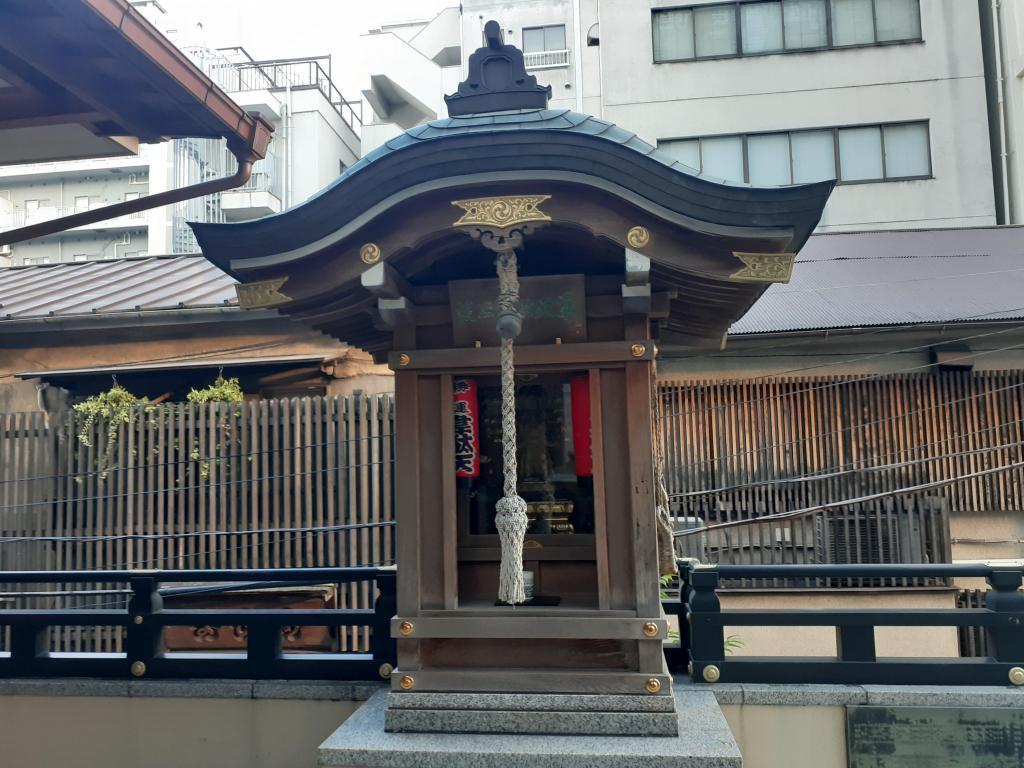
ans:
x=650 y=629
x=137 y=620
x=406 y=682
x=637 y=350
x=265 y=293
x=406 y=628
x=764 y=267
x=712 y=674
x=1017 y=676
x=370 y=253
x=653 y=685
x=404 y=359
x=138 y=669
x=501 y=212
x=385 y=670
x=638 y=237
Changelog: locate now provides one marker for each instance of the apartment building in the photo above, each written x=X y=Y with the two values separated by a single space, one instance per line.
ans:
x=316 y=136
x=900 y=100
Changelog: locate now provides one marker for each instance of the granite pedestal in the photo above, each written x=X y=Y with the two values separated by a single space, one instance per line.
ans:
x=703 y=741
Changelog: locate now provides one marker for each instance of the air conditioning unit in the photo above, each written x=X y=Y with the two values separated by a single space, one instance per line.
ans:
x=6 y=250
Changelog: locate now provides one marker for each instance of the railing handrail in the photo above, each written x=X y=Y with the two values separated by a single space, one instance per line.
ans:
x=865 y=570
x=329 y=575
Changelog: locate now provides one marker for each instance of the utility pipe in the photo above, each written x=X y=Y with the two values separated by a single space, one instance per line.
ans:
x=44 y=228
x=1001 y=106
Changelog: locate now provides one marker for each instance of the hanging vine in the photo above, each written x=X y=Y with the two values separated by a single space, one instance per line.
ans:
x=117 y=406
x=221 y=391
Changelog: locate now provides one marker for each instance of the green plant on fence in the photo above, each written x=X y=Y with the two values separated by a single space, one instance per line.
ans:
x=116 y=407
x=221 y=391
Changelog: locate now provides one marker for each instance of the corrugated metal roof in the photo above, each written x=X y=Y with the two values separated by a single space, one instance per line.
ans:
x=122 y=285
x=860 y=279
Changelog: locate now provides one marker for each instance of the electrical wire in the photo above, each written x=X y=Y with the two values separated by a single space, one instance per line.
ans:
x=827 y=507
x=202 y=487
x=190 y=460
x=840 y=473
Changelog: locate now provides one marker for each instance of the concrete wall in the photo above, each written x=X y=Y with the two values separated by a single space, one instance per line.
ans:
x=165 y=732
x=765 y=735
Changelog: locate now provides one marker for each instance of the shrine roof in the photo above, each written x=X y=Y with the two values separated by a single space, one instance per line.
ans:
x=549 y=144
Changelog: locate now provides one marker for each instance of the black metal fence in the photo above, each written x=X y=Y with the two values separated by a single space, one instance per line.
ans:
x=702 y=624
x=145 y=621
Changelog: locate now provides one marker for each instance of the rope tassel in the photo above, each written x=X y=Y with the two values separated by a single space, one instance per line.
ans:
x=510 y=511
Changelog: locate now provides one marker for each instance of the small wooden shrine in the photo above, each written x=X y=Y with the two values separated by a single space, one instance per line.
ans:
x=562 y=250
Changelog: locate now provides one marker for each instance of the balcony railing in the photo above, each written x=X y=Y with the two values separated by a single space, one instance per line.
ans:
x=300 y=73
x=702 y=624
x=547 y=59
x=145 y=620
x=21 y=217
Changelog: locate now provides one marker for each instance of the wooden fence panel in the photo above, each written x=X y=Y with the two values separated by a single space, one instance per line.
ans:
x=180 y=480
x=729 y=444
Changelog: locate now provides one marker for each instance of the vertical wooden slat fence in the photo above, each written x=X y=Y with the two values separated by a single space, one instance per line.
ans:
x=728 y=444
x=207 y=471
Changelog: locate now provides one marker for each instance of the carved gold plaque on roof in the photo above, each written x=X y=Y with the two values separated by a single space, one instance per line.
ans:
x=501 y=212
x=266 y=293
x=764 y=267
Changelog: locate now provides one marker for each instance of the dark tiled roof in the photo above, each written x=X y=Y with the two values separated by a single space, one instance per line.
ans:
x=889 y=278
x=121 y=285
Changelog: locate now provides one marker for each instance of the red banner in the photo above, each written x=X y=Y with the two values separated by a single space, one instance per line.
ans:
x=467 y=429
x=579 y=387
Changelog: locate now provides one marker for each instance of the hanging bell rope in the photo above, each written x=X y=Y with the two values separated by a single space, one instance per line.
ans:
x=510 y=518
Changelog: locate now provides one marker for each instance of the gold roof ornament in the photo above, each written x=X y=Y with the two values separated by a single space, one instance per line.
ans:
x=266 y=293
x=501 y=212
x=764 y=267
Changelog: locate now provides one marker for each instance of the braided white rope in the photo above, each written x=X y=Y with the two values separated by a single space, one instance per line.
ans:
x=510 y=511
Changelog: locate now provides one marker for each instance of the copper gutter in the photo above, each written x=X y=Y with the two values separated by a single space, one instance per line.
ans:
x=247 y=134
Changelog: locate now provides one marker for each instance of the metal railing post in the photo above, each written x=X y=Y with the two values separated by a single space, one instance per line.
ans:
x=143 y=636
x=1006 y=642
x=707 y=636
x=385 y=648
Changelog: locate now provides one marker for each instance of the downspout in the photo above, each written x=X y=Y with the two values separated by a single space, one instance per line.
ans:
x=600 y=66
x=1004 y=169
x=288 y=147
x=577 y=55
x=245 y=156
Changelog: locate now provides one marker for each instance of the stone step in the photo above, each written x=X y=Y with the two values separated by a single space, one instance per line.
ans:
x=539 y=723
x=537 y=702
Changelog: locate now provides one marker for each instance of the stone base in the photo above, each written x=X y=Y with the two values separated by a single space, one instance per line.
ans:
x=556 y=714
x=703 y=740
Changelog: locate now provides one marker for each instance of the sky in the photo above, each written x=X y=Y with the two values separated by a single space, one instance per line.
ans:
x=271 y=29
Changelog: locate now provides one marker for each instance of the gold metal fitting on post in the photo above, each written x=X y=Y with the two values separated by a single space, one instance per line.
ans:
x=1017 y=675
x=138 y=669
x=653 y=685
x=637 y=350
x=712 y=674
x=137 y=620
x=650 y=629
x=385 y=670
x=406 y=628
x=404 y=359
x=406 y=682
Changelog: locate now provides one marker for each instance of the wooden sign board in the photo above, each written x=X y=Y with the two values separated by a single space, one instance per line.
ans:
x=923 y=737
x=552 y=307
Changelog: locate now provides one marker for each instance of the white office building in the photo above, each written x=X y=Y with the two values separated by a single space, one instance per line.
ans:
x=316 y=136
x=902 y=101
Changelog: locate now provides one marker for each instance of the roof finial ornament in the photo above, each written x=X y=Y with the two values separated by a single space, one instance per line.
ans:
x=497 y=80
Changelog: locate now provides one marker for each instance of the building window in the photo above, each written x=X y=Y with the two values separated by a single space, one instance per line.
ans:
x=81 y=203
x=31 y=261
x=81 y=257
x=545 y=47
x=757 y=27
x=862 y=153
x=132 y=195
